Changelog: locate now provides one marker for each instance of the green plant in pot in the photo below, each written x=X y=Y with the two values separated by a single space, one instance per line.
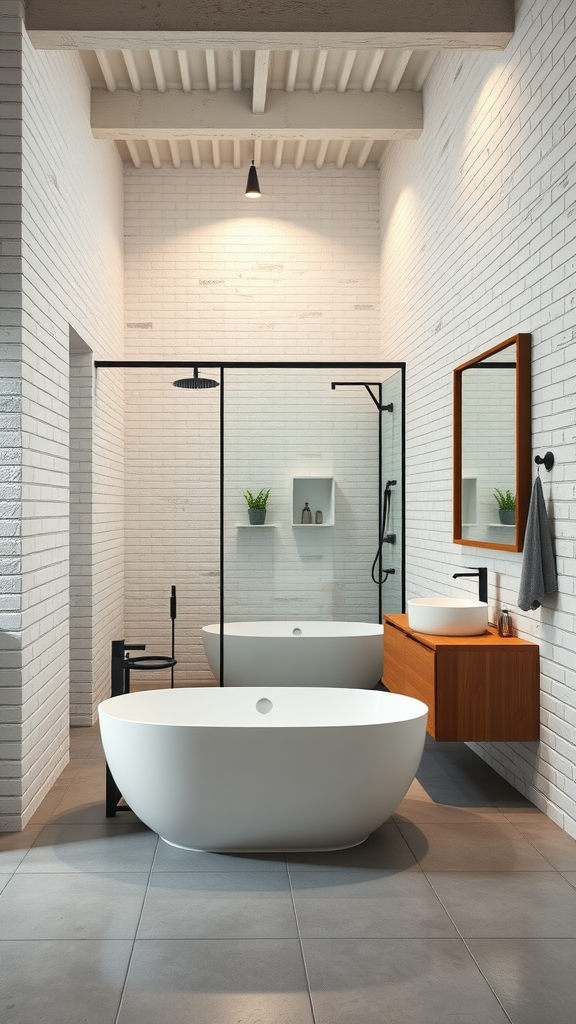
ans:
x=506 y=506
x=257 y=506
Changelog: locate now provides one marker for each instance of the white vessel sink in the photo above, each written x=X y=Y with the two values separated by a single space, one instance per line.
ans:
x=447 y=616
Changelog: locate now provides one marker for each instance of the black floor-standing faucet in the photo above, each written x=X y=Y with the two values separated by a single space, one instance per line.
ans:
x=481 y=572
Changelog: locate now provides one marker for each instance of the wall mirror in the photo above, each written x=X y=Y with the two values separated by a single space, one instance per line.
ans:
x=492 y=465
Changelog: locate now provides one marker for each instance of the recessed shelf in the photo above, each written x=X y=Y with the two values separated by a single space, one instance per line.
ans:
x=503 y=526
x=318 y=492
x=313 y=526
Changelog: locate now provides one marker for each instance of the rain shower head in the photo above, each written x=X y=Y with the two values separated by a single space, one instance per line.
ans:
x=196 y=382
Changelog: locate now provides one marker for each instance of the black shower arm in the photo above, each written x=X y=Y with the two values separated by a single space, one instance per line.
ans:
x=368 y=385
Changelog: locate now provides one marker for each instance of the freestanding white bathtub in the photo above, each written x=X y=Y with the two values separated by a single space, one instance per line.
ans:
x=263 y=769
x=299 y=653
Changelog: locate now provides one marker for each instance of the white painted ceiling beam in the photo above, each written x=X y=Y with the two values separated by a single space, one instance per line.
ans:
x=134 y=154
x=364 y=154
x=291 y=70
x=372 y=70
x=237 y=70
x=342 y=153
x=271 y=41
x=236 y=154
x=195 y=151
x=227 y=115
x=184 y=71
x=216 y=153
x=400 y=64
x=321 y=155
x=206 y=24
x=156 y=161
x=345 y=70
x=320 y=58
x=132 y=70
x=211 y=70
x=299 y=158
x=382 y=158
x=175 y=153
x=158 y=69
x=106 y=69
x=258 y=152
x=260 y=81
x=278 y=153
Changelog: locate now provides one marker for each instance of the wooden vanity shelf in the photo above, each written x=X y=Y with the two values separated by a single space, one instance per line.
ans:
x=477 y=687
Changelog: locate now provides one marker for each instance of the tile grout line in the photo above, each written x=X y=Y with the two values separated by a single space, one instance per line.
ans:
x=128 y=965
x=539 y=852
x=467 y=947
x=302 y=954
x=82 y=764
x=49 y=821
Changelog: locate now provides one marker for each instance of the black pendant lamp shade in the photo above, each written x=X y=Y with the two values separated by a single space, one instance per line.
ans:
x=252 y=186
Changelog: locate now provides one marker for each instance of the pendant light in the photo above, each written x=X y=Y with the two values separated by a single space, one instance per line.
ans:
x=252 y=186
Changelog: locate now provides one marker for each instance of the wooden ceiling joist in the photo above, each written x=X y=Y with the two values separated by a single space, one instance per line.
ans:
x=206 y=24
x=227 y=115
x=261 y=71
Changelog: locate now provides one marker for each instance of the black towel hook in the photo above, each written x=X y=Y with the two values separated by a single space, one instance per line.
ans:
x=547 y=461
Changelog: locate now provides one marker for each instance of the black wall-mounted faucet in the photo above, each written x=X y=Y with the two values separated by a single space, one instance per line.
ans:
x=481 y=573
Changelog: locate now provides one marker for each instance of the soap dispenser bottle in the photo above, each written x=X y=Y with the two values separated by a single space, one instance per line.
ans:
x=306 y=514
x=505 y=623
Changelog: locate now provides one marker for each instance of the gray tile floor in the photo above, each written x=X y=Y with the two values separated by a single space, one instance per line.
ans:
x=461 y=908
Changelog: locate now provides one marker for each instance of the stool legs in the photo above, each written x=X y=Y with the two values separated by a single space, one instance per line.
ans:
x=112 y=795
x=120 y=683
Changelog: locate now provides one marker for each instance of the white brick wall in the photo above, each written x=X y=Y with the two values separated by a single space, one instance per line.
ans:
x=69 y=214
x=10 y=405
x=478 y=232
x=210 y=274
x=291 y=275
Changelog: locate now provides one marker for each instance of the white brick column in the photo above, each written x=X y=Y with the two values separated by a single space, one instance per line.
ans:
x=61 y=252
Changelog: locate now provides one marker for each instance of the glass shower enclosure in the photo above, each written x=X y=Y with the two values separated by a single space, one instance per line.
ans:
x=329 y=436
x=318 y=440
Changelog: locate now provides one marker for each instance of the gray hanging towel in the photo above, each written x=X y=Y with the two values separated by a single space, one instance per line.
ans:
x=538 y=576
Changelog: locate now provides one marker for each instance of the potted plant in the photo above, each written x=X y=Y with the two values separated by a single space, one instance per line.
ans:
x=257 y=506
x=506 y=507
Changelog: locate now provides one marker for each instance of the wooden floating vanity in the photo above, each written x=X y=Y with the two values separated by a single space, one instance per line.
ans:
x=477 y=687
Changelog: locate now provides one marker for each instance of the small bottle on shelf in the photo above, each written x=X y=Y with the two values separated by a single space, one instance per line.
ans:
x=306 y=514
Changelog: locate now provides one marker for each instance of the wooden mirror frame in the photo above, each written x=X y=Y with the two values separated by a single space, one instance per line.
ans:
x=523 y=442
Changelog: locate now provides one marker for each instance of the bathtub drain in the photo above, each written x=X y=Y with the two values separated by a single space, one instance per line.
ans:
x=264 y=705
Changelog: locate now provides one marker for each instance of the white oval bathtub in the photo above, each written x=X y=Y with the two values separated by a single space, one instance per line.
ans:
x=299 y=653
x=263 y=769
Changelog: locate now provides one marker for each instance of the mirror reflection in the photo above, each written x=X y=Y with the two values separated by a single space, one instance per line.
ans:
x=488 y=488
